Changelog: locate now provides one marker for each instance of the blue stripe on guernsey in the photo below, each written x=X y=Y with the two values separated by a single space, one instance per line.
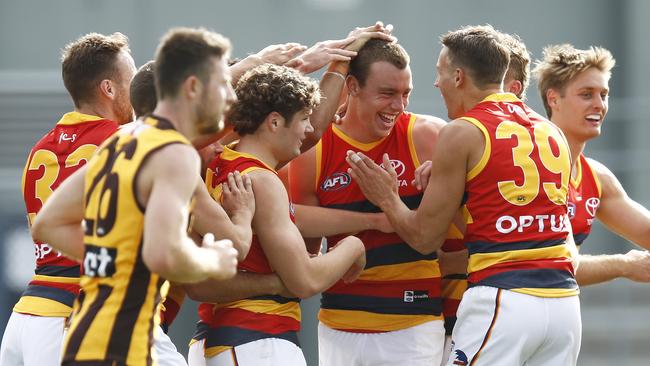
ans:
x=276 y=298
x=58 y=271
x=51 y=293
x=381 y=305
x=455 y=276
x=234 y=336
x=395 y=254
x=493 y=247
x=579 y=238
x=530 y=278
x=412 y=202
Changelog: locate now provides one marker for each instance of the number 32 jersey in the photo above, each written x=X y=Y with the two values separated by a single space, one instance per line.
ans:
x=57 y=155
x=516 y=202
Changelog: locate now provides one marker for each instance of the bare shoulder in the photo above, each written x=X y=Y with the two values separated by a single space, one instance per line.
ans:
x=425 y=134
x=267 y=184
x=608 y=181
x=427 y=124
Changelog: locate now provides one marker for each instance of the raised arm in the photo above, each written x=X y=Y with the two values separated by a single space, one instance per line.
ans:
x=58 y=223
x=424 y=229
x=285 y=248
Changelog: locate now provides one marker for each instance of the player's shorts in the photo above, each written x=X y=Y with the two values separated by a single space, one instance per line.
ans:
x=31 y=340
x=414 y=346
x=446 y=350
x=165 y=350
x=501 y=327
x=263 y=352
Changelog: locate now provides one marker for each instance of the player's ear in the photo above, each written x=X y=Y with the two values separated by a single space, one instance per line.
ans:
x=273 y=121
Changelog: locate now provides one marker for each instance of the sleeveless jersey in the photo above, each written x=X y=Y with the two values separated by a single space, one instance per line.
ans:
x=516 y=202
x=584 y=199
x=224 y=326
x=116 y=312
x=399 y=287
x=453 y=285
x=171 y=304
x=58 y=154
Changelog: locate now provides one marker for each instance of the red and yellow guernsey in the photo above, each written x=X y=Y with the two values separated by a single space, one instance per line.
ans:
x=453 y=285
x=516 y=202
x=224 y=326
x=399 y=287
x=584 y=199
x=58 y=154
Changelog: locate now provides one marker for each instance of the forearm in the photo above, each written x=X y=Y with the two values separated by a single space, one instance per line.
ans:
x=311 y=224
x=185 y=263
x=424 y=237
x=65 y=239
x=242 y=234
x=238 y=69
x=599 y=269
x=243 y=285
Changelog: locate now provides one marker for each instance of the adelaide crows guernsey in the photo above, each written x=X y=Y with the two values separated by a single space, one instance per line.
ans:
x=399 y=287
x=115 y=315
x=584 y=199
x=224 y=326
x=516 y=200
x=58 y=154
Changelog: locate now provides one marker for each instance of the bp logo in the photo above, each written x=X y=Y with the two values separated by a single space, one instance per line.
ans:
x=336 y=181
x=592 y=205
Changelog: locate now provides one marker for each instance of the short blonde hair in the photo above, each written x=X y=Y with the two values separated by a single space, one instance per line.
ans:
x=562 y=63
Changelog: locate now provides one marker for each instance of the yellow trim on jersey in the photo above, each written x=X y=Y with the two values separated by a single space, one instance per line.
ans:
x=454 y=232
x=73 y=118
x=414 y=153
x=481 y=261
x=359 y=145
x=501 y=97
x=596 y=178
x=576 y=182
x=486 y=151
x=467 y=216
x=548 y=292
x=290 y=309
x=42 y=307
x=319 y=160
x=74 y=280
x=230 y=154
x=453 y=289
x=363 y=320
x=213 y=351
x=419 y=270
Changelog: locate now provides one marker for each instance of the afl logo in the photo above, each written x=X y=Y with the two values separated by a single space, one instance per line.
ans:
x=592 y=205
x=336 y=181
x=571 y=210
x=397 y=165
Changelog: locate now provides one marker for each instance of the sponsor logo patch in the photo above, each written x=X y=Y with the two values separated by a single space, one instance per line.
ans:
x=336 y=181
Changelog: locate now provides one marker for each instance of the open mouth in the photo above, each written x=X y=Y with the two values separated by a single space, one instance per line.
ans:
x=388 y=119
x=594 y=118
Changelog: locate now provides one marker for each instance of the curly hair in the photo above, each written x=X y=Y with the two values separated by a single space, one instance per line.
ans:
x=519 y=67
x=562 y=63
x=271 y=88
x=88 y=60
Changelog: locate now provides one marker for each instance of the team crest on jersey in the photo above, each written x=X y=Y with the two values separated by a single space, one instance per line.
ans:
x=592 y=205
x=571 y=210
x=336 y=181
x=460 y=358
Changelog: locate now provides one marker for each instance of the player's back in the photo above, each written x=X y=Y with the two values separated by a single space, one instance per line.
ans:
x=114 y=315
x=58 y=154
x=516 y=201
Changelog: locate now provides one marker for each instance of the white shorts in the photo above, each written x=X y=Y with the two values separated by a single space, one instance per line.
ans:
x=263 y=352
x=414 y=346
x=165 y=350
x=31 y=340
x=501 y=327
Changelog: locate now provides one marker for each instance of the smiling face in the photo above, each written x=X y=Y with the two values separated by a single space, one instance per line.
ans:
x=580 y=110
x=383 y=98
x=291 y=134
x=446 y=83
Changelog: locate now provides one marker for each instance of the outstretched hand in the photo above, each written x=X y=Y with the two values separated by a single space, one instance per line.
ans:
x=378 y=183
x=279 y=54
x=361 y=35
x=321 y=54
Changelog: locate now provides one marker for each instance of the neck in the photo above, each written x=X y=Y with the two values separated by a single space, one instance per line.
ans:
x=179 y=114
x=474 y=96
x=97 y=109
x=258 y=147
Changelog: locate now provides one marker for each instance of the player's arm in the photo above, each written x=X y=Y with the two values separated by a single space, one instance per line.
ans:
x=285 y=248
x=618 y=212
x=165 y=185
x=243 y=285
x=316 y=222
x=459 y=146
x=633 y=265
x=210 y=216
x=59 y=222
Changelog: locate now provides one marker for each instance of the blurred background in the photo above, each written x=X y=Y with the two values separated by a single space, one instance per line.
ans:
x=616 y=329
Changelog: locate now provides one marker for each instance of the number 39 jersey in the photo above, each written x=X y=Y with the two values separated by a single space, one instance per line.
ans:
x=57 y=155
x=516 y=202
x=114 y=316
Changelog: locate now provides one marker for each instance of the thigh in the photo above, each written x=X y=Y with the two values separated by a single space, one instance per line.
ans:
x=418 y=345
x=196 y=354
x=562 y=343
x=263 y=352
x=42 y=339
x=11 y=353
x=446 y=350
x=165 y=350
